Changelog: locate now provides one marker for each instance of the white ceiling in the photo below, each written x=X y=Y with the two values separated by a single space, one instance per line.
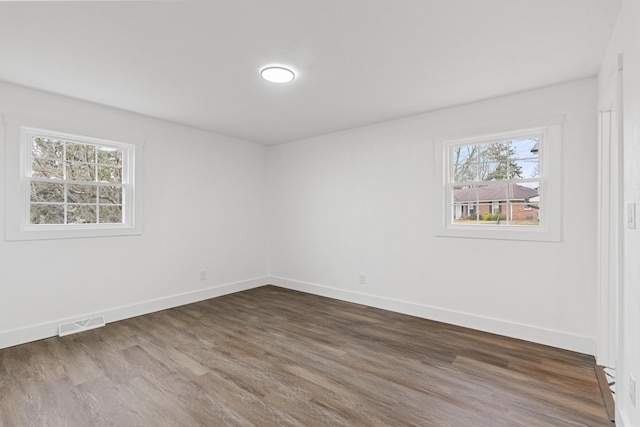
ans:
x=358 y=61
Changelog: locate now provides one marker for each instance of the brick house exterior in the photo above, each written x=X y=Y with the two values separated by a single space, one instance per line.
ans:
x=523 y=202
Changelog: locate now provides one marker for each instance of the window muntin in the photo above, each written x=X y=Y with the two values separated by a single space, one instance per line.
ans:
x=495 y=181
x=75 y=182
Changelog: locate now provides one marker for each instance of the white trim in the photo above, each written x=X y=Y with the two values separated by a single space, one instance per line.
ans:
x=472 y=133
x=11 y=337
x=611 y=224
x=609 y=240
x=559 y=339
x=550 y=127
x=582 y=344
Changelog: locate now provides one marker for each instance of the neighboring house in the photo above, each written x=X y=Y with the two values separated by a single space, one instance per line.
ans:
x=513 y=202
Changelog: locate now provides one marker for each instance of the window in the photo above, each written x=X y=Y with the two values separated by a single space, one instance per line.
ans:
x=502 y=185
x=76 y=182
x=497 y=175
x=71 y=186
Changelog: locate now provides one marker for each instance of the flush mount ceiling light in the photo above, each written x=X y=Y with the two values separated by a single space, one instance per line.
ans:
x=277 y=74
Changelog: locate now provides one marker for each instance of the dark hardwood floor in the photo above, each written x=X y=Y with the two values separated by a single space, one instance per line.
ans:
x=271 y=356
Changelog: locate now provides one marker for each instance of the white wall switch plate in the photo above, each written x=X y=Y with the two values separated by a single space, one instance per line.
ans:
x=631 y=216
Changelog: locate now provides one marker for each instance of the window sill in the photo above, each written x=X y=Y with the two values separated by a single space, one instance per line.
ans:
x=77 y=232
x=499 y=233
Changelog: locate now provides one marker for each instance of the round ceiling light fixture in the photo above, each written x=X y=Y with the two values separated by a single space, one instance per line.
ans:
x=277 y=74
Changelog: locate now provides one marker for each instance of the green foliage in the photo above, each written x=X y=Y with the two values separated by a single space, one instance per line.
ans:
x=500 y=157
x=493 y=217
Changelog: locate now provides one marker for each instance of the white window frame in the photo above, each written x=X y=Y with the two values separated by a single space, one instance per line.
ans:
x=550 y=162
x=18 y=177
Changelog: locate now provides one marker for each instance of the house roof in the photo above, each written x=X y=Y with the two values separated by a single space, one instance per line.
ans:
x=493 y=193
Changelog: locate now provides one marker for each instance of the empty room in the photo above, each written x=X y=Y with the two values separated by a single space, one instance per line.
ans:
x=329 y=213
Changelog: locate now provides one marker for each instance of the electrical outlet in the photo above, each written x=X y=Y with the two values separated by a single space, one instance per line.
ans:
x=363 y=279
x=203 y=274
x=632 y=389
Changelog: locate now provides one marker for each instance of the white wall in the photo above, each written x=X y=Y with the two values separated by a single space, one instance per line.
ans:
x=338 y=206
x=204 y=209
x=626 y=41
x=341 y=205
x=360 y=202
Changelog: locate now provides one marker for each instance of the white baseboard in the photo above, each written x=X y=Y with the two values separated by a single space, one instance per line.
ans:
x=581 y=344
x=553 y=338
x=40 y=331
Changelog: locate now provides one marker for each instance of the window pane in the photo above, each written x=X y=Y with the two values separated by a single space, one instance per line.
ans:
x=494 y=193
x=525 y=155
x=498 y=161
x=41 y=168
x=525 y=148
x=464 y=163
x=494 y=151
x=82 y=193
x=47 y=192
x=465 y=194
x=465 y=205
x=482 y=204
x=533 y=203
x=110 y=174
x=465 y=213
x=524 y=214
x=109 y=156
x=46 y=148
x=46 y=214
x=497 y=171
x=499 y=149
x=525 y=192
x=81 y=214
x=494 y=213
x=80 y=171
x=483 y=170
x=110 y=214
x=111 y=195
x=529 y=167
x=81 y=153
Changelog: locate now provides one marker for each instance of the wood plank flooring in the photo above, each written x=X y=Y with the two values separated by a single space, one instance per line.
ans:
x=275 y=357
